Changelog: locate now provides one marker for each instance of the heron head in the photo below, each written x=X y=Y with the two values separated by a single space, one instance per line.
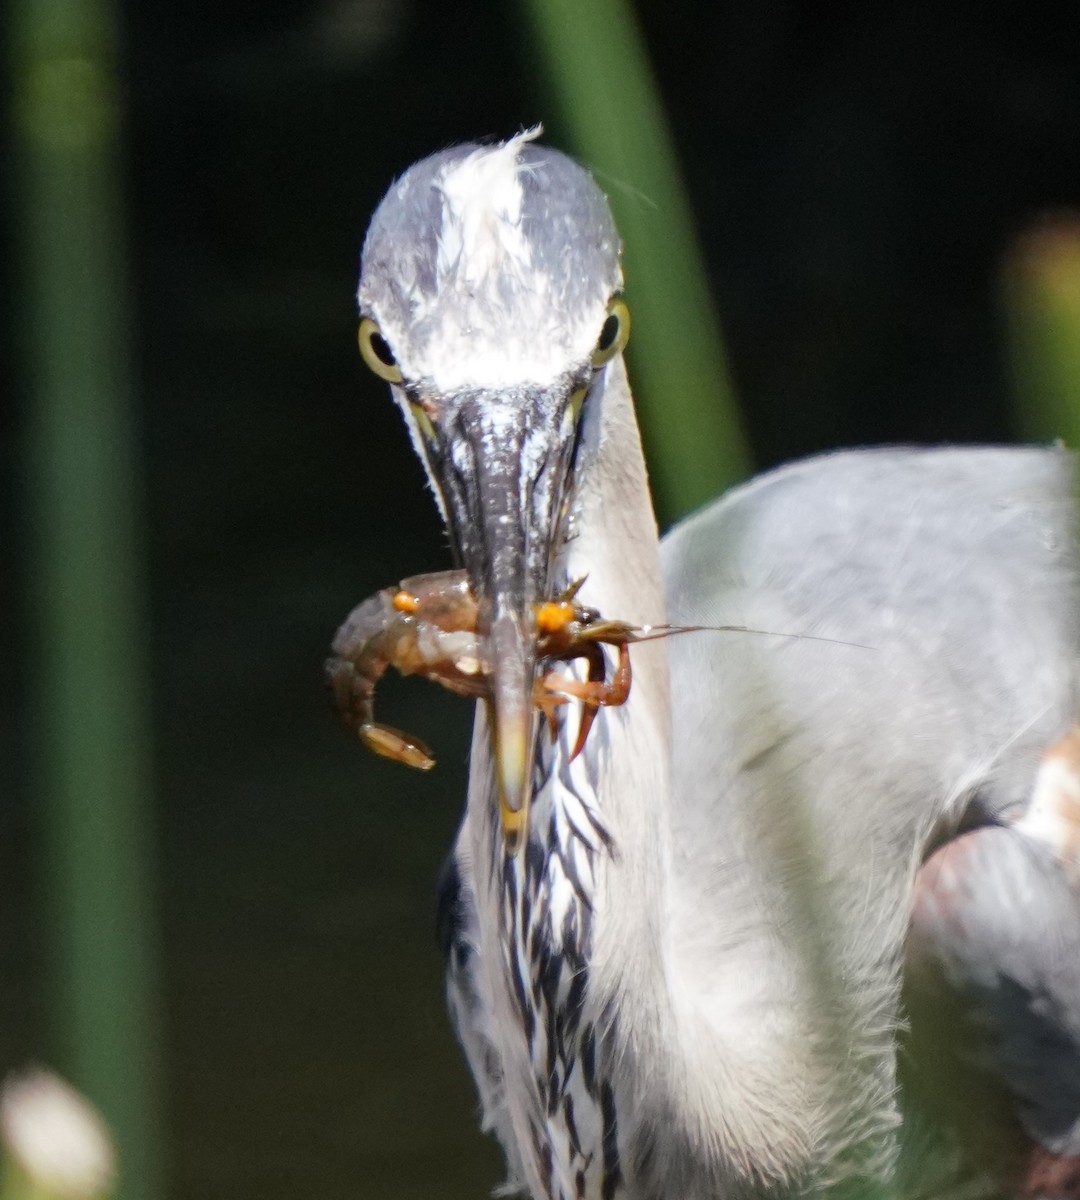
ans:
x=489 y=301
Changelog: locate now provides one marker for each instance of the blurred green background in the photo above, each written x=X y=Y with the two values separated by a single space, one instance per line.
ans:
x=860 y=184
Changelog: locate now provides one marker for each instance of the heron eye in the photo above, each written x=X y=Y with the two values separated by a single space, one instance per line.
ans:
x=614 y=334
x=375 y=351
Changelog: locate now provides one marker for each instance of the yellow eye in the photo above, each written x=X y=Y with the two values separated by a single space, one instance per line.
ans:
x=614 y=334
x=375 y=351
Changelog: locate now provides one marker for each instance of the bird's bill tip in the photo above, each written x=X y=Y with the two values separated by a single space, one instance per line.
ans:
x=512 y=764
x=512 y=713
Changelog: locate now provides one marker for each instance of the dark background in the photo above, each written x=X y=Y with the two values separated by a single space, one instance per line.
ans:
x=858 y=176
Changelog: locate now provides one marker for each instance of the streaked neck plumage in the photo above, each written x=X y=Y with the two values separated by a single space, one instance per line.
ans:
x=553 y=932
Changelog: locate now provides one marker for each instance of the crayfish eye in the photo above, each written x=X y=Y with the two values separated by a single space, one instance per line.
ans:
x=375 y=351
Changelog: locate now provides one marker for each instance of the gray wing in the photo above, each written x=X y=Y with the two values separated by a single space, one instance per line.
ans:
x=924 y=607
x=816 y=774
x=993 y=993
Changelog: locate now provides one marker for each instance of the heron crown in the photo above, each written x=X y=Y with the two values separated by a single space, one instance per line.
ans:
x=492 y=266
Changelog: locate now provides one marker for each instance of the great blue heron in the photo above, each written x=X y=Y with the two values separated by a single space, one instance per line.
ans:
x=676 y=962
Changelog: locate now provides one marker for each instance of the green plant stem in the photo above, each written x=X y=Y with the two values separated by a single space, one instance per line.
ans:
x=1043 y=309
x=603 y=85
x=89 y=673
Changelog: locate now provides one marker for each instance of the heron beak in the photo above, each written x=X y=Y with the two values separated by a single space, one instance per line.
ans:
x=502 y=473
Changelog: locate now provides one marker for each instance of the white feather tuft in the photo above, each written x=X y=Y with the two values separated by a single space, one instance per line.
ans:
x=493 y=317
x=481 y=230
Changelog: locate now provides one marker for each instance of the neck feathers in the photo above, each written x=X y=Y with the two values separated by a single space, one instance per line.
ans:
x=554 y=937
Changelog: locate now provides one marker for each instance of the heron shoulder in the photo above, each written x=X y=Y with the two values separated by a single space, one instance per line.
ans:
x=937 y=586
x=880 y=504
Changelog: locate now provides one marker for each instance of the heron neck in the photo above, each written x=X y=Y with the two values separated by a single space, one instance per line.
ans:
x=616 y=545
x=641 y=981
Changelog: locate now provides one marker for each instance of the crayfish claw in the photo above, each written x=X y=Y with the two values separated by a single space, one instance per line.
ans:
x=588 y=715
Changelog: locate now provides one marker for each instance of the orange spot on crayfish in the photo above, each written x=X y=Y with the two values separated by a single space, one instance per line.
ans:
x=554 y=616
x=405 y=602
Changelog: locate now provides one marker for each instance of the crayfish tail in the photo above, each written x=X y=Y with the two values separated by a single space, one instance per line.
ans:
x=397 y=745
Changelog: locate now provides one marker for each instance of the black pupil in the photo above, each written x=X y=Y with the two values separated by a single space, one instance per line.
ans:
x=609 y=333
x=382 y=350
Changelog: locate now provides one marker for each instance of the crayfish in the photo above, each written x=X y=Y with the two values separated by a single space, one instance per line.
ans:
x=427 y=626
